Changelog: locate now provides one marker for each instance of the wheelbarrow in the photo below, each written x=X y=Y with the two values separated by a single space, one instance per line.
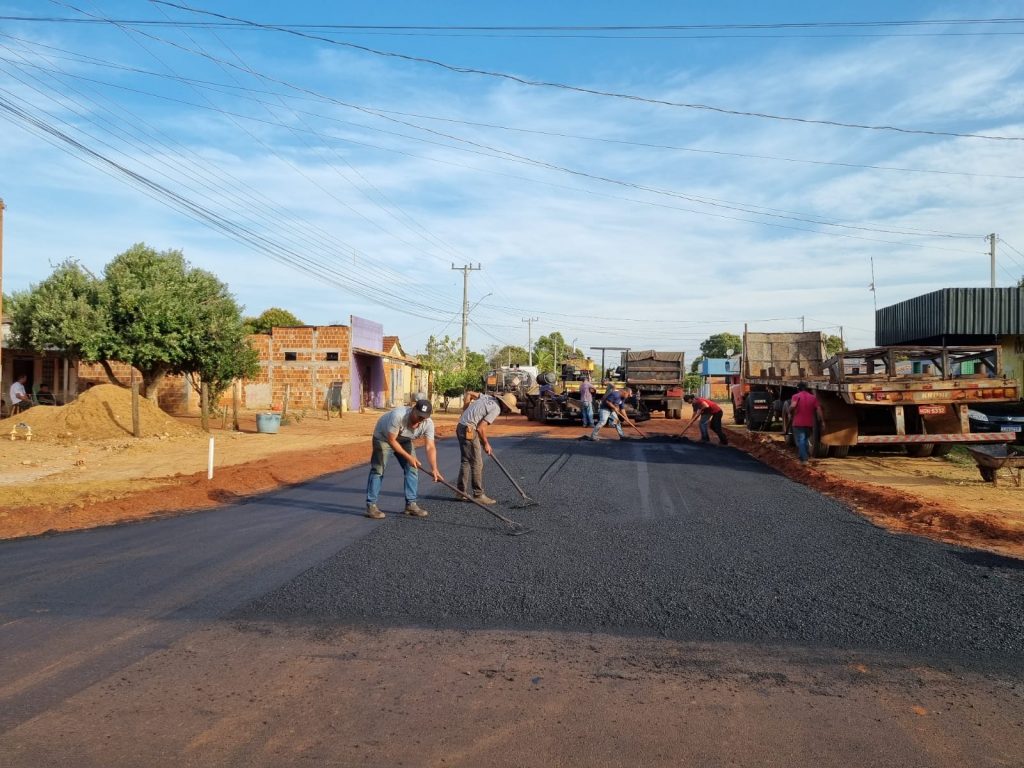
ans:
x=991 y=458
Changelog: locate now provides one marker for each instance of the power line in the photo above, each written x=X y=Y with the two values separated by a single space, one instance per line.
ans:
x=514 y=157
x=581 y=89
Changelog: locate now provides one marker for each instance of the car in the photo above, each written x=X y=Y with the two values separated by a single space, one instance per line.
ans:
x=998 y=417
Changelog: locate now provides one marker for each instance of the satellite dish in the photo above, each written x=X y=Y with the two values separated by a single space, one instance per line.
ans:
x=729 y=352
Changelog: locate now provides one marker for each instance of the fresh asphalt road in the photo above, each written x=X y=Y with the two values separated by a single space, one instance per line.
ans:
x=677 y=541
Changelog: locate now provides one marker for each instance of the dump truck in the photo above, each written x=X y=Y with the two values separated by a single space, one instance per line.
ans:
x=916 y=396
x=657 y=379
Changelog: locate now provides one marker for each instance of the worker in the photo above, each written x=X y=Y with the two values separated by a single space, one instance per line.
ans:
x=710 y=413
x=613 y=410
x=803 y=409
x=587 y=401
x=394 y=433
x=473 y=443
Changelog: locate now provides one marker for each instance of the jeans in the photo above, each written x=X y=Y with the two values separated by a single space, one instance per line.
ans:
x=604 y=417
x=587 y=409
x=471 y=471
x=382 y=451
x=716 y=425
x=802 y=435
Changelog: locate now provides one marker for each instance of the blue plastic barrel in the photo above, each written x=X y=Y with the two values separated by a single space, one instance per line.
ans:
x=268 y=423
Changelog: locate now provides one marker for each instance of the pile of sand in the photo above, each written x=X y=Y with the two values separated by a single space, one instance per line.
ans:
x=101 y=412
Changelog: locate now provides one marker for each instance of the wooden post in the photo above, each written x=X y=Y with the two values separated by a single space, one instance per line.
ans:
x=235 y=397
x=204 y=405
x=327 y=400
x=287 y=394
x=136 y=421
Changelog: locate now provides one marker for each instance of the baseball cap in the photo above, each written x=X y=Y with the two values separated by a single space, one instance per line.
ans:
x=423 y=408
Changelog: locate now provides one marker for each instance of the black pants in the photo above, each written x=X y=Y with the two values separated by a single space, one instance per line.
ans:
x=716 y=425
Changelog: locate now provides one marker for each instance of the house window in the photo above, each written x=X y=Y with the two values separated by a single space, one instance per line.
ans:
x=331 y=357
x=290 y=357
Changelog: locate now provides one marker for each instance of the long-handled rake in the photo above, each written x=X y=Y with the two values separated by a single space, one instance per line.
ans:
x=527 y=501
x=514 y=528
x=689 y=424
x=642 y=434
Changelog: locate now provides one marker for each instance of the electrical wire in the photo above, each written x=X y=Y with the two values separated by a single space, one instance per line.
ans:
x=580 y=89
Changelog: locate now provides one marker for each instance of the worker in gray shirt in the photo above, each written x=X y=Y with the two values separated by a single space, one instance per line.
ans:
x=473 y=443
x=394 y=434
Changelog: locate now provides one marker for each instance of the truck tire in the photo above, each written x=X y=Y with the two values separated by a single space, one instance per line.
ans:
x=737 y=415
x=920 y=450
x=839 y=451
x=817 y=449
x=942 y=449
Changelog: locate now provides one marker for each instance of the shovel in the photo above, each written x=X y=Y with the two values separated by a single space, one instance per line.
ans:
x=514 y=528
x=527 y=501
x=689 y=424
x=631 y=423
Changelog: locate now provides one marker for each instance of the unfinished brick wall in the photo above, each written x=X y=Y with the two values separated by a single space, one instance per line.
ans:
x=299 y=359
x=174 y=395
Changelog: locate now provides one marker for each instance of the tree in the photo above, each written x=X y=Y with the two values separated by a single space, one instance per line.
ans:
x=222 y=353
x=834 y=345
x=275 y=317
x=550 y=351
x=62 y=312
x=692 y=382
x=718 y=346
x=695 y=365
x=507 y=355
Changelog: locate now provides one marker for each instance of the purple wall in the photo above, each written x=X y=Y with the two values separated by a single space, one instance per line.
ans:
x=367 y=334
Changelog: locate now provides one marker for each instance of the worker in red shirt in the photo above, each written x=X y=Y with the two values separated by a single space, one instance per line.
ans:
x=709 y=412
x=803 y=409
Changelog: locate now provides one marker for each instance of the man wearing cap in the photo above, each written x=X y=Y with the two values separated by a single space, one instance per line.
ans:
x=473 y=442
x=613 y=409
x=394 y=434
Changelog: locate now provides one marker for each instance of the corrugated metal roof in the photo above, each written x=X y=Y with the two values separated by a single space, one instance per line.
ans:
x=952 y=312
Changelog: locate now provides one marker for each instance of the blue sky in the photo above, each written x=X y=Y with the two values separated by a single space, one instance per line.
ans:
x=617 y=221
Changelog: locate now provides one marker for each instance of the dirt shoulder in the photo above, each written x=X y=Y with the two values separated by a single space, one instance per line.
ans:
x=51 y=486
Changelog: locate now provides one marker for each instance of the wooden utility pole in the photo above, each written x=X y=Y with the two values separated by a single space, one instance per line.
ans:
x=465 y=302
x=235 y=397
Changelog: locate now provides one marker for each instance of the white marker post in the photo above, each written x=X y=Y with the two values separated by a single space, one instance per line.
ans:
x=209 y=463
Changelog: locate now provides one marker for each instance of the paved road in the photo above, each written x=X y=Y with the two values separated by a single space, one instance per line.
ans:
x=674 y=542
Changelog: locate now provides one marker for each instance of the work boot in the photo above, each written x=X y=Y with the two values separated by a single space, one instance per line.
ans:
x=483 y=498
x=373 y=511
x=412 y=509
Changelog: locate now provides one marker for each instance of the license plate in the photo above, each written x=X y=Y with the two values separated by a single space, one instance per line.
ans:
x=1010 y=428
x=931 y=410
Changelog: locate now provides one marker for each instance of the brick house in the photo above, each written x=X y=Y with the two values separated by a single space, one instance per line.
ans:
x=311 y=363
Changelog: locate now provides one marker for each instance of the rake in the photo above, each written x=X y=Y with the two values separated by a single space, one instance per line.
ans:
x=514 y=528
x=527 y=501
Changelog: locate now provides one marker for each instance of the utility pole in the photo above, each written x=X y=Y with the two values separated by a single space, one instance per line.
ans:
x=802 y=328
x=465 y=302
x=992 y=256
x=529 y=335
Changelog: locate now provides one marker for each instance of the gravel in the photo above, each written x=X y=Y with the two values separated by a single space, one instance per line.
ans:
x=684 y=541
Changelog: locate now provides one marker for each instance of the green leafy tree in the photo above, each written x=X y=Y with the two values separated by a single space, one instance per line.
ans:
x=692 y=382
x=63 y=312
x=718 y=346
x=275 y=317
x=550 y=351
x=221 y=353
x=834 y=345
x=507 y=355
x=443 y=358
x=695 y=365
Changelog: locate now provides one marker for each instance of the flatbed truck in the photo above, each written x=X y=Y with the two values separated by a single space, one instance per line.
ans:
x=915 y=396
